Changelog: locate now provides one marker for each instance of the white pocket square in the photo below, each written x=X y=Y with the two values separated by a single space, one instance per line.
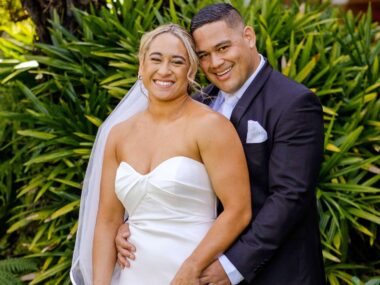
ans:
x=256 y=133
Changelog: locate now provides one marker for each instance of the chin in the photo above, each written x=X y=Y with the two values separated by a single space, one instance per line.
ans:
x=226 y=88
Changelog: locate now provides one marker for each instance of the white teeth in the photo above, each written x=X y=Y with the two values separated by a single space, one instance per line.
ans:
x=224 y=72
x=164 y=83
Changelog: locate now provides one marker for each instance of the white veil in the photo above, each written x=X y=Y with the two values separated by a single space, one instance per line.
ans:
x=81 y=269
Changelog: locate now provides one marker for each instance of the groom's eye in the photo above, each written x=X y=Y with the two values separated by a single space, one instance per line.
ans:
x=202 y=56
x=222 y=48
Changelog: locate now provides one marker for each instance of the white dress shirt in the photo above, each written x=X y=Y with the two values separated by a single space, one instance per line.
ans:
x=225 y=104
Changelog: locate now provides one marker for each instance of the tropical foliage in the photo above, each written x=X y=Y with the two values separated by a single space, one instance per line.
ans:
x=52 y=103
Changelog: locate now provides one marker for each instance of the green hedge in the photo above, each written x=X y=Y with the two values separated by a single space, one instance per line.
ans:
x=49 y=116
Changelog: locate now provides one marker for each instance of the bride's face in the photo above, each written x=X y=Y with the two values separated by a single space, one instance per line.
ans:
x=165 y=67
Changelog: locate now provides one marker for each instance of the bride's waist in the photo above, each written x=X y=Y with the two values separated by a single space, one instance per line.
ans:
x=171 y=220
x=169 y=229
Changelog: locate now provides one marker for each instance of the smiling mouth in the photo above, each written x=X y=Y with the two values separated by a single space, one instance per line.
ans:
x=163 y=83
x=224 y=72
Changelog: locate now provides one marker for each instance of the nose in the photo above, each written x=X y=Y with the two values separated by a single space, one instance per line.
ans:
x=164 y=68
x=216 y=60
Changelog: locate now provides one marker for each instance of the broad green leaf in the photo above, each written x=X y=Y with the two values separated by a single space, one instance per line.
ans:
x=32 y=97
x=332 y=147
x=72 y=231
x=356 y=164
x=33 y=185
x=324 y=92
x=305 y=72
x=96 y=121
x=40 y=215
x=365 y=215
x=41 y=276
x=50 y=157
x=173 y=12
x=19 y=224
x=329 y=111
x=349 y=141
x=36 y=134
x=88 y=137
x=68 y=182
x=270 y=52
x=329 y=256
x=58 y=63
x=64 y=210
x=349 y=188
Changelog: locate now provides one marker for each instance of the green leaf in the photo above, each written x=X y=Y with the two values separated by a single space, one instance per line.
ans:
x=349 y=188
x=96 y=121
x=36 y=134
x=51 y=272
x=51 y=157
x=348 y=142
x=305 y=72
x=19 y=224
x=329 y=256
x=365 y=215
x=32 y=97
x=64 y=210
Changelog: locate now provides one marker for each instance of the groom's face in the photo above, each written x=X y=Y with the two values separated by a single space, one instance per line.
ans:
x=226 y=54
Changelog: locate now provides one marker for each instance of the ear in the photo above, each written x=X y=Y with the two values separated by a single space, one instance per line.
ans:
x=250 y=36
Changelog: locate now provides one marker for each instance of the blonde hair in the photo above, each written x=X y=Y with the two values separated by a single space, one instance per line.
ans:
x=184 y=37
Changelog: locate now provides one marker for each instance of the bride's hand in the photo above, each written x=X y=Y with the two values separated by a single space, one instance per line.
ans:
x=188 y=274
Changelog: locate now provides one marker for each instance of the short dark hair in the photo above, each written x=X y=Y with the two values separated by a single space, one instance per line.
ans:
x=214 y=13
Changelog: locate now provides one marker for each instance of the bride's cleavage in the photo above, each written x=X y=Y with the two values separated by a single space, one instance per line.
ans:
x=153 y=169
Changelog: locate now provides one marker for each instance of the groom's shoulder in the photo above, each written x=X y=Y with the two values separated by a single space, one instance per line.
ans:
x=284 y=84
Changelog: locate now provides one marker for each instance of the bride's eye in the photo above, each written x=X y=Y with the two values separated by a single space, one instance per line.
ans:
x=177 y=62
x=155 y=59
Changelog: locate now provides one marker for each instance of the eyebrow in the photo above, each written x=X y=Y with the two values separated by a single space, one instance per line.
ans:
x=222 y=44
x=174 y=56
x=218 y=45
x=155 y=53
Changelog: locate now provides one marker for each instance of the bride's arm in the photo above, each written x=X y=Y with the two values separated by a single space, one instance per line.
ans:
x=223 y=156
x=109 y=218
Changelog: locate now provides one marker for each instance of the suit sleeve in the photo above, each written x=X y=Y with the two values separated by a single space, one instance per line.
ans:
x=294 y=163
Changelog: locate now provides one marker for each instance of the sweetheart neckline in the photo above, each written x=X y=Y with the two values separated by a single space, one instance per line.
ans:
x=160 y=164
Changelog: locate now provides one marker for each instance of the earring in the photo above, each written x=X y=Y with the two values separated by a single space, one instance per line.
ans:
x=139 y=77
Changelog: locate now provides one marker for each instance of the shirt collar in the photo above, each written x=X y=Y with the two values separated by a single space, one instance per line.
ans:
x=242 y=89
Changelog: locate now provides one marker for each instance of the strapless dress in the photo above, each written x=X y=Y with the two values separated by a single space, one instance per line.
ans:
x=170 y=210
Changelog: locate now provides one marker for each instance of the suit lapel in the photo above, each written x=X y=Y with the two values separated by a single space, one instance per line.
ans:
x=253 y=89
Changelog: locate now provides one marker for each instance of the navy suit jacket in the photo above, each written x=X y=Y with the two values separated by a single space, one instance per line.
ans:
x=282 y=243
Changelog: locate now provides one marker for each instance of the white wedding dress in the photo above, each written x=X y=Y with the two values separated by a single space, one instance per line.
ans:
x=170 y=210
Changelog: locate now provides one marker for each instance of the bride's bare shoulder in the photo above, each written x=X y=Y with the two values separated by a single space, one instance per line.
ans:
x=211 y=126
x=205 y=116
x=126 y=126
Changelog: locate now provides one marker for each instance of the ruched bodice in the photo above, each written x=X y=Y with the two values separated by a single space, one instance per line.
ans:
x=170 y=210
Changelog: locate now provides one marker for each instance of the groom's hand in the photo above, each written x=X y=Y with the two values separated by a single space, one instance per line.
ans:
x=214 y=274
x=124 y=248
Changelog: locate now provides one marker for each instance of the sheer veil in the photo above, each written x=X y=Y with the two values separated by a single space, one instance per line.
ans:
x=81 y=269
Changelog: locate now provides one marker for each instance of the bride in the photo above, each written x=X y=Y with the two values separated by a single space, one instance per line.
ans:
x=163 y=161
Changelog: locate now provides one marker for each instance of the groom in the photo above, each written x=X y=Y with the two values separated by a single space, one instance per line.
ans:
x=280 y=125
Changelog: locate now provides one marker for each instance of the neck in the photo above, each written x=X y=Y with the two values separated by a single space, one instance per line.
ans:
x=256 y=62
x=168 y=110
